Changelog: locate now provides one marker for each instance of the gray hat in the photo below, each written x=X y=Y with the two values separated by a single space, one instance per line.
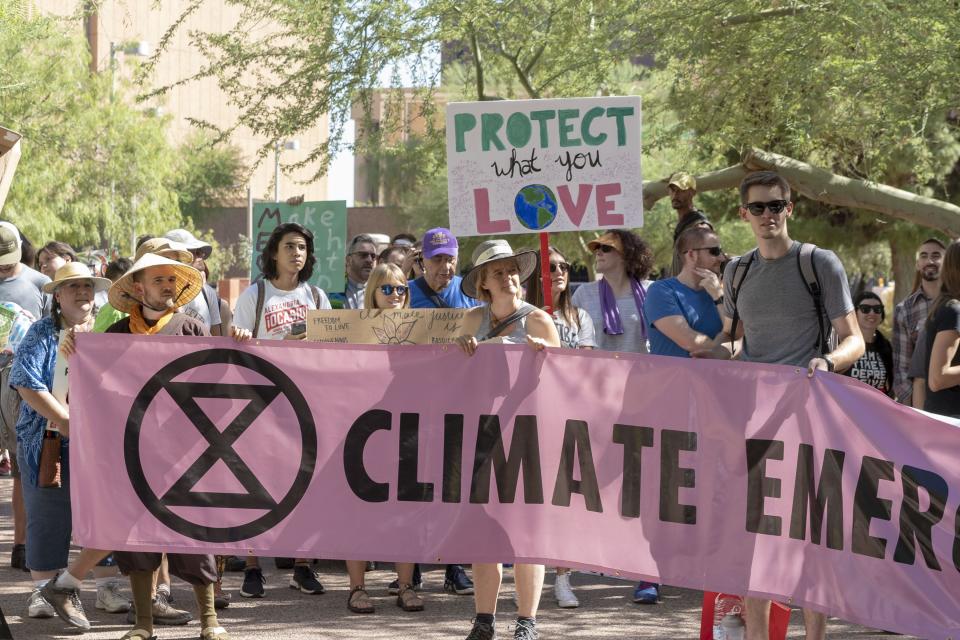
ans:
x=190 y=241
x=490 y=251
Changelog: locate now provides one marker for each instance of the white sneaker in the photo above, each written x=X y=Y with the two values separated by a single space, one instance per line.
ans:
x=38 y=607
x=563 y=592
x=110 y=600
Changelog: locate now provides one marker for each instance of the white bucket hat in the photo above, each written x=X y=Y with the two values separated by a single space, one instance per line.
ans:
x=490 y=251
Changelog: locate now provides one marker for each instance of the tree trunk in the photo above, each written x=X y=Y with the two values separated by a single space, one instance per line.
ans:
x=904 y=264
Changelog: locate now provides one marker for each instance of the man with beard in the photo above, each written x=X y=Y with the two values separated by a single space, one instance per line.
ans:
x=683 y=188
x=439 y=286
x=683 y=311
x=911 y=313
x=360 y=261
x=151 y=292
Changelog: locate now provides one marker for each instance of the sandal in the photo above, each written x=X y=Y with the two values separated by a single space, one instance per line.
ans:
x=408 y=600
x=359 y=601
x=138 y=634
x=214 y=633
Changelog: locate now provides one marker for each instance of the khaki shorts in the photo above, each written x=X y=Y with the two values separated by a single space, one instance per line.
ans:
x=9 y=412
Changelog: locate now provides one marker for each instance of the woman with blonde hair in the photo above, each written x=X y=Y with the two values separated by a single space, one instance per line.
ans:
x=386 y=289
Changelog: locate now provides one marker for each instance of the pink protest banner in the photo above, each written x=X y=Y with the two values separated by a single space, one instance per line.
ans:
x=723 y=476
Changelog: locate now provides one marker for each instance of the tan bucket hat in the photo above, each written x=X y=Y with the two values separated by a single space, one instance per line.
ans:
x=75 y=271
x=123 y=295
x=490 y=251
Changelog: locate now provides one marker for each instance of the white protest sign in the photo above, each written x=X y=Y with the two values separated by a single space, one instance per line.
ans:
x=522 y=166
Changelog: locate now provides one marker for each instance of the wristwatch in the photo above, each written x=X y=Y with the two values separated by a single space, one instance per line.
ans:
x=718 y=300
x=830 y=366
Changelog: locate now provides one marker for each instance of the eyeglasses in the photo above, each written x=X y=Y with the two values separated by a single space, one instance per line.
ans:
x=714 y=251
x=563 y=267
x=871 y=308
x=365 y=254
x=776 y=207
x=388 y=289
x=605 y=248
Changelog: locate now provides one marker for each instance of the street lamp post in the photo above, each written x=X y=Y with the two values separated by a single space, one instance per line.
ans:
x=289 y=145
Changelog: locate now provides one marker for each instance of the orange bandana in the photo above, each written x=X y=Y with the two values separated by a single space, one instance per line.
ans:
x=139 y=326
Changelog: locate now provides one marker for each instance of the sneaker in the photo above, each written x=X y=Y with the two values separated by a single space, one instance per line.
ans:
x=110 y=600
x=234 y=564
x=563 y=592
x=165 y=613
x=66 y=603
x=482 y=631
x=37 y=607
x=457 y=581
x=525 y=630
x=18 y=557
x=305 y=580
x=253 y=582
x=647 y=593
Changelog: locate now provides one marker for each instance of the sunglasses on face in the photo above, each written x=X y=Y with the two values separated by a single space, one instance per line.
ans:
x=605 y=248
x=871 y=308
x=388 y=289
x=563 y=267
x=714 y=251
x=365 y=254
x=776 y=207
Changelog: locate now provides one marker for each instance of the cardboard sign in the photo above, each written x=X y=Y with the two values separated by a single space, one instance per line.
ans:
x=328 y=222
x=385 y=326
x=9 y=157
x=521 y=166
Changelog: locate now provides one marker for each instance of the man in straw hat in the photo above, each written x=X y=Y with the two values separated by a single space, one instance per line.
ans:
x=151 y=292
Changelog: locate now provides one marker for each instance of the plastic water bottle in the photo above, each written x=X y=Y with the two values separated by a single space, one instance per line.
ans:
x=733 y=627
x=723 y=605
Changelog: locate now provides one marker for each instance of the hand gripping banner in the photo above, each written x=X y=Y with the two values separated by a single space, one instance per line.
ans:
x=712 y=475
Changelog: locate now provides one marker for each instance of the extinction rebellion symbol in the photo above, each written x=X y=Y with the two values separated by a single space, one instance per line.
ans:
x=220 y=446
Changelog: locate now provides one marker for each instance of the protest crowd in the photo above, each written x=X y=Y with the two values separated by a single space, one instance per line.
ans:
x=785 y=302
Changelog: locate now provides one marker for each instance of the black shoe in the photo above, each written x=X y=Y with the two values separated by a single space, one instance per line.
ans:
x=18 y=557
x=305 y=580
x=482 y=631
x=235 y=563
x=525 y=630
x=284 y=563
x=253 y=582
x=457 y=581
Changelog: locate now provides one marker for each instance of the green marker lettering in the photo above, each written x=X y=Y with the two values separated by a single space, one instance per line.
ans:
x=588 y=119
x=566 y=127
x=518 y=129
x=490 y=124
x=463 y=122
x=620 y=113
x=541 y=117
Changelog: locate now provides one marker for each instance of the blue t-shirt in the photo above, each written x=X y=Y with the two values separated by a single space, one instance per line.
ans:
x=673 y=298
x=452 y=296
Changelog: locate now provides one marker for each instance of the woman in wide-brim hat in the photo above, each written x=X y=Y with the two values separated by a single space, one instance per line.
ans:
x=496 y=278
x=48 y=509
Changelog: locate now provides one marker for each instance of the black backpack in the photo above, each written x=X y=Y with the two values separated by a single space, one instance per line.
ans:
x=826 y=338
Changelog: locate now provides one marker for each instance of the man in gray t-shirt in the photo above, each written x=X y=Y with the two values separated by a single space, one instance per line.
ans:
x=19 y=283
x=778 y=321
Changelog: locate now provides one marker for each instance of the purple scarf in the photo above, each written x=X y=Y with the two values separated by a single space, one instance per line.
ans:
x=612 y=325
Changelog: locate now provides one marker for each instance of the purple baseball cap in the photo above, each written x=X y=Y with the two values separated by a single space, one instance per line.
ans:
x=438 y=242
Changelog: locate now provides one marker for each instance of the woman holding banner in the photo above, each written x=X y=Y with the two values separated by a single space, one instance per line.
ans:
x=386 y=289
x=495 y=279
x=43 y=431
x=943 y=342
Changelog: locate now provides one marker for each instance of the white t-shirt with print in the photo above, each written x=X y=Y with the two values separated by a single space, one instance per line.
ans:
x=281 y=309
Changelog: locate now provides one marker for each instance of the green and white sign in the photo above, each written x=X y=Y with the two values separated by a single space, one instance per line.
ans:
x=327 y=221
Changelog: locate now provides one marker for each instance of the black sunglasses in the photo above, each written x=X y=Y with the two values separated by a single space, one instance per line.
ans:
x=365 y=254
x=562 y=266
x=871 y=308
x=757 y=208
x=388 y=289
x=605 y=248
x=714 y=251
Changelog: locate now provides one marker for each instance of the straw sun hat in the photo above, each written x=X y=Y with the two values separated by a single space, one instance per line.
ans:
x=123 y=296
x=75 y=271
x=490 y=251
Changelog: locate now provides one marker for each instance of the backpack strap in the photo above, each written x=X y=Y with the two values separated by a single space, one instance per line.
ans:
x=316 y=296
x=739 y=274
x=812 y=282
x=261 y=293
x=430 y=294
x=519 y=314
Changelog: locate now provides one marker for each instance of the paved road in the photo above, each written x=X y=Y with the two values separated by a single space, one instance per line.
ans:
x=605 y=612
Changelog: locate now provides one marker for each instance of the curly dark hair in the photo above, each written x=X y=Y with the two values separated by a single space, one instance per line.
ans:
x=267 y=260
x=637 y=255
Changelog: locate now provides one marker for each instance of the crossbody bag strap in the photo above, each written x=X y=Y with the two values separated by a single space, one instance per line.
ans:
x=519 y=314
x=261 y=293
x=430 y=293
